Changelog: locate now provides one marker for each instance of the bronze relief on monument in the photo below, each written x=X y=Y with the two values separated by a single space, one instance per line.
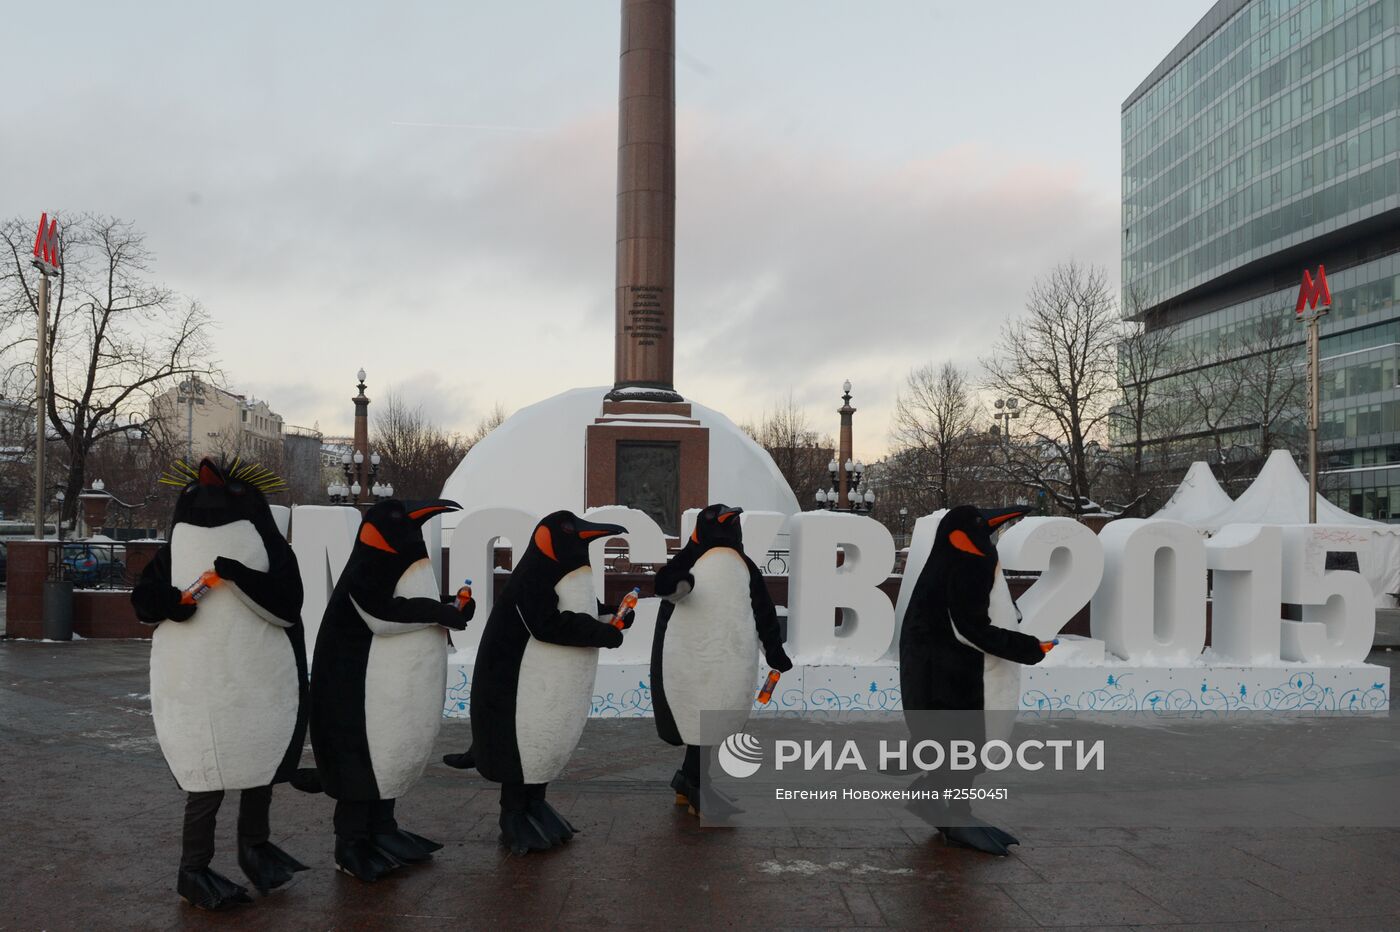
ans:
x=648 y=479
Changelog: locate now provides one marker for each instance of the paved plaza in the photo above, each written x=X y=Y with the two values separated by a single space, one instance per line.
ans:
x=91 y=837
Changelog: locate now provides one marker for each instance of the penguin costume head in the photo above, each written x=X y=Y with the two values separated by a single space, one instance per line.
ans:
x=214 y=495
x=391 y=534
x=718 y=526
x=968 y=533
x=560 y=545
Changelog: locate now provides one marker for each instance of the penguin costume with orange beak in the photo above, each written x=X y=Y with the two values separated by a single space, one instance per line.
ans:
x=716 y=617
x=958 y=648
x=377 y=685
x=532 y=686
x=228 y=668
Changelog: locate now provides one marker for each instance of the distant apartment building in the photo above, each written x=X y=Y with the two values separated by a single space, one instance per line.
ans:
x=16 y=428
x=204 y=420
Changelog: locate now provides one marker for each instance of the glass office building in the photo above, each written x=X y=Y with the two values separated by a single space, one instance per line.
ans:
x=1268 y=142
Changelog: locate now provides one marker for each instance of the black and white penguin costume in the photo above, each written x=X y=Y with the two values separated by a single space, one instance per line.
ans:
x=377 y=685
x=228 y=673
x=715 y=617
x=532 y=686
x=959 y=645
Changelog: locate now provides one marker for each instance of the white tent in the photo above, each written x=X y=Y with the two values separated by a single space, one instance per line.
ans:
x=1197 y=499
x=1279 y=495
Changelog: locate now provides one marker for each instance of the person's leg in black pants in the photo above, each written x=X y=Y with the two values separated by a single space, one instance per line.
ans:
x=197 y=883
x=265 y=864
x=355 y=851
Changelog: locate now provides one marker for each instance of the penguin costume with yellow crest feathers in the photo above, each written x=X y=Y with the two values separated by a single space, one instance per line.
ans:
x=377 y=685
x=532 y=686
x=958 y=649
x=228 y=670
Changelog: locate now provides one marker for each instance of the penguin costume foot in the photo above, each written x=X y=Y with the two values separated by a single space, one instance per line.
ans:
x=463 y=761
x=986 y=838
x=267 y=866
x=307 y=780
x=361 y=859
x=685 y=789
x=521 y=833
x=204 y=888
x=555 y=827
x=405 y=847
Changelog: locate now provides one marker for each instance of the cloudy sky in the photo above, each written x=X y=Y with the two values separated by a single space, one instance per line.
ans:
x=427 y=189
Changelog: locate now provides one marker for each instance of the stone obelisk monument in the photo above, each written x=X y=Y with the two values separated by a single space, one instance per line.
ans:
x=645 y=450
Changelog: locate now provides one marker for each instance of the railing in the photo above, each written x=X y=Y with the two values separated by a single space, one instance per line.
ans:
x=90 y=565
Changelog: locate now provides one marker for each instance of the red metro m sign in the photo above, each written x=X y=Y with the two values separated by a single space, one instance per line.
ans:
x=1314 y=292
x=46 y=254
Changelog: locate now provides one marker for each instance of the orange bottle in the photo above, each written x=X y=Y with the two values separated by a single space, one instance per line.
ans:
x=464 y=595
x=629 y=601
x=1045 y=646
x=770 y=684
x=200 y=587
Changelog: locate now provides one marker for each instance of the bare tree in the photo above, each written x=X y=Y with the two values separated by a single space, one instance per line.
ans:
x=418 y=454
x=933 y=416
x=1058 y=360
x=800 y=452
x=115 y=339
x=1143 y=412
x=1272 y=385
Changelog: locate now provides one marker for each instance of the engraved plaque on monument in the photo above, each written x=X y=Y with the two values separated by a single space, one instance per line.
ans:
x=648 y=478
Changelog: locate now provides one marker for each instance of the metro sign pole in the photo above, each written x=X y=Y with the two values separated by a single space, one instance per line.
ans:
x=48 y=261
x=1316 y=298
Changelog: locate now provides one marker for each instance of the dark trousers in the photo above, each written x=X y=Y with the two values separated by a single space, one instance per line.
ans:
x=691 y=768
x=514 y=796
x=363 y=819
x=201 y=818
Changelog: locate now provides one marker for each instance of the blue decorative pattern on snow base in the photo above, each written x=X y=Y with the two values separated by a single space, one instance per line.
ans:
x=624 y=691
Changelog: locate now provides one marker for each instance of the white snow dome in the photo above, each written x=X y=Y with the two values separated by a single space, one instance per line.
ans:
x=535 y=461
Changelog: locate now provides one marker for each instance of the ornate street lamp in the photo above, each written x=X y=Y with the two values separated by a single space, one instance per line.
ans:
x=847 y=472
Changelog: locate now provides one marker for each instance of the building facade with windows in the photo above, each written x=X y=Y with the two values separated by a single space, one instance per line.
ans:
x=1268 y=142
x=205 y=420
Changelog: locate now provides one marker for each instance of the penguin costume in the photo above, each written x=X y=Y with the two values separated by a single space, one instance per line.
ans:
x=532 y=685
x=957 y=648
x=228 y=672
x=377 y=685
x=715 y=617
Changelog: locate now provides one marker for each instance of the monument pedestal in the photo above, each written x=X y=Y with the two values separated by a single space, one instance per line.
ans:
x=648 y=455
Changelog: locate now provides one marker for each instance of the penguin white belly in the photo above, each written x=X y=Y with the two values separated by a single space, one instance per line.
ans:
x=405 y=682
x=709 y=661
x=555 y=689
x=224 y=690
x=1001 y=679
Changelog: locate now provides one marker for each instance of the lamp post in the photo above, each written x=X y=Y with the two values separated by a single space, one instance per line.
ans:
x=48 y=260
x=903 y=520
x=359 y=485
x=846 y=473
x=1007 y=409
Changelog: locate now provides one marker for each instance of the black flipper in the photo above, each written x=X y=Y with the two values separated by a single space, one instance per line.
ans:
x=267 y=866
x=555 y=827
x=463 y=761
x=685 y=790
x=405 y=846
x=206 y=889
x=977 y=837
x=1006 y=838
x=307 y=779
x=362 y=860
x=522 y=834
